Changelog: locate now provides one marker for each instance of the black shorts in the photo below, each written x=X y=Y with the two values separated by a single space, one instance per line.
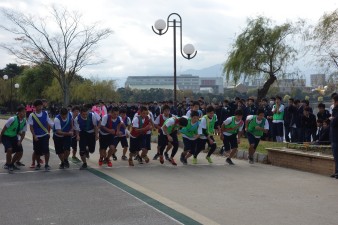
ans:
x=74 y=143
x=189 y=145
x=147 y=142
x=253 y=140
x=62 y=144
x=11 y=143
x=41 y=147
x=106 y=141
x=277 y=129
x=123 y=140
x=87 y=140
x=135 y=144
x=201 y=144
x=230 y=142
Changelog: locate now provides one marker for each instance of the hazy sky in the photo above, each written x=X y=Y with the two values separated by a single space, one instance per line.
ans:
x=134 y=49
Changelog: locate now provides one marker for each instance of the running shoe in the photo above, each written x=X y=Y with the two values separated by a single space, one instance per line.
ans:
x=172 y=160
x=100 y=162
x=139 y=159
x=156 y=156
x=84 y=166
x=166 y=156
x=146 y=159
x=229 y=161
x=124 y=158
x=114 y=157
x=16 y=168
x=251 y=161
x=6 y=167
x=209 y=159
x=10 y=168
x=161 y=159
x=47 y=167
x=61 y=166
x=66 y=163
x=110 y=164
x=194 y=160
x=32 y=166
x=38 y=167
x=18 y=163
x=131 y=163
x=182 y=159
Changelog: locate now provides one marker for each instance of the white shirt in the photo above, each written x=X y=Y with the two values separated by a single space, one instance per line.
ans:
x=170 y=122
x=266 y=125
x=157 y=121
x=331 y=108
x=30 y=121
x=151 y=117
x=228 y=121
x=77 y=125
x=203 y=125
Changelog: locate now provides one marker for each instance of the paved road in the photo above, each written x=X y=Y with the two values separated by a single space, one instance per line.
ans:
x=209 y=194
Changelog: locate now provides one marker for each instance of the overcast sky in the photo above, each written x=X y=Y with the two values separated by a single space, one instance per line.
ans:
x=133 y=49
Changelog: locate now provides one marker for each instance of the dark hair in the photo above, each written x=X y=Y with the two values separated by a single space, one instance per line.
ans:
x=321 y=105
x=165 y=107
x=279 y=97
x=260 y=110
x=20 y=108
x=196 y=103
x=143 y=108
x=251 y=99
x=264 y=100
x=183 y=121
x=75 y=108
x=327 y=121
x=335 y=98
x=296 y=101
x=210 y=108
x=292 y=100
x=123 y=110
x=307 y=109
x=114 y=109
x=63 y=111
x=194 y=113
x=83 y=109
x=38 y=102
x=333 y=94
x=239 y=112
x=226 y=101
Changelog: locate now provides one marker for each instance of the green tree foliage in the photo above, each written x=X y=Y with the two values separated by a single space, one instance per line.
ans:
x=325 y=36
x=261 y=49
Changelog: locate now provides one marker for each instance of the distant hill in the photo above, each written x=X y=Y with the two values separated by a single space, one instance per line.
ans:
x=212 y=71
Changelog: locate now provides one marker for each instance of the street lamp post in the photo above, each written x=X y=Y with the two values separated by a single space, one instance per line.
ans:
x=16 y=86
x=188 y=51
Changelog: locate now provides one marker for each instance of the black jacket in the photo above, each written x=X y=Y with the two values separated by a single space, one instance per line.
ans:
x=334 y=125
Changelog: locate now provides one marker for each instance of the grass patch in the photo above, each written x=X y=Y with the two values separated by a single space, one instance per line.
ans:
x=5 y=116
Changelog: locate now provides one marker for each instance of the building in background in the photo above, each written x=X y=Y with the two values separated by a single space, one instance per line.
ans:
x=317 y=80
x=184 y=82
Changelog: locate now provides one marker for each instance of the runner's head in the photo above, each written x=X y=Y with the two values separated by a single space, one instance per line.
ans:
x=194 y=116
x=38 y=104
x=143 y=112
x=238 y=114
x=63 y=113
x=182 y=122
x=75 y=110
x=260 y=113
x=114 y=112
x=210 y=111
x=123 y=112
x=21 y=111
x=166 y=110
x=195 y=106
x=84 y=112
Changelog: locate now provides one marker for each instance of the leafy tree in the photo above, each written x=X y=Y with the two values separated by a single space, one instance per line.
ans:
x=67 y=50
x=261 y=48
x=325 y=36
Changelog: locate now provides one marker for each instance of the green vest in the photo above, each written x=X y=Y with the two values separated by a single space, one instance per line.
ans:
x=210 y=123
x=190 y=130
x=233 y=125
x=15 y=128
x=279 y=116
x=252 y=127
x=171 y=128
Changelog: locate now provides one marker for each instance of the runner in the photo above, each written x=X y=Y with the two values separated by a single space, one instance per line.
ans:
x=232 y=129
x=63 y=132
x=86 y=128
x=158 y=125
x=40 y=125
x=124 y=133
x=190 y=136
x=256 y=125
x=207 y=127
x=75 y=112
x=110 y=128
x=14 y=126
x=169 y=134
x=141 y=124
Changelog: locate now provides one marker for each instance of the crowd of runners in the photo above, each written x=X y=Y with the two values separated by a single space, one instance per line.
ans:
x=76 y=129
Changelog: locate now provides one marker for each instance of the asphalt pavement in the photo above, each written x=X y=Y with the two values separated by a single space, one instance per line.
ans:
x=165 y=194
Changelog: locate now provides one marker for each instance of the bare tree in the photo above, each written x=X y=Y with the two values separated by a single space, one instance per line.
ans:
x=68 y=49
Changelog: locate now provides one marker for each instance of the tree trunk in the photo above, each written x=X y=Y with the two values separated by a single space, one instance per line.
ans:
x=261 y=93
x=66 y=94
